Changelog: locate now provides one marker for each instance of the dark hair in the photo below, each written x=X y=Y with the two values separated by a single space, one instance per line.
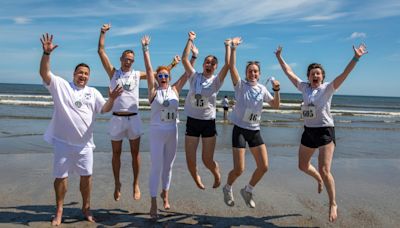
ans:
x=127 y=52
x=213 y=57
x=82 y=65
x=316 y=66
x=249 y=63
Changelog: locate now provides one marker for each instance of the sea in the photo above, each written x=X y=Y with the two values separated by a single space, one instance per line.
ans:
x=366 y=126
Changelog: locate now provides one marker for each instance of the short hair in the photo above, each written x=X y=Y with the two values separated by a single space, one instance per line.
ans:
x=128 y=51
x=160 y=68
x=316 y=66
x=213 y=57
x=82 y=65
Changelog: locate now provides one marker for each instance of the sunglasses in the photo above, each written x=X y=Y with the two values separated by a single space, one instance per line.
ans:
x=253 y=62
x=160 y=76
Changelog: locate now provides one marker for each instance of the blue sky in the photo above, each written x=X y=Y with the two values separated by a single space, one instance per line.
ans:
x=320 y=31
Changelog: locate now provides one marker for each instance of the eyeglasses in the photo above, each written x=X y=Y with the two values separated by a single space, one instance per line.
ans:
x=160 y=76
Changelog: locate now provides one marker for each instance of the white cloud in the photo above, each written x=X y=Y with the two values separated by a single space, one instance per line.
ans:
x=356 y=35
x=22 y=20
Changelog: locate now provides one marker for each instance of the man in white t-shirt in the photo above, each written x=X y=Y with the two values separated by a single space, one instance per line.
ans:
x=71 y=127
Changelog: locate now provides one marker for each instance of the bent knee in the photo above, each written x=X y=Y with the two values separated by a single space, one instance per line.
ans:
x=263 y=168
x=303 y=166
x=324 y=171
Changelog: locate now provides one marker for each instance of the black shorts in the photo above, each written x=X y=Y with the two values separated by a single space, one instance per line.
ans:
x=315 y=137
x=240 y=136
x=226 y=108
x=203 y=128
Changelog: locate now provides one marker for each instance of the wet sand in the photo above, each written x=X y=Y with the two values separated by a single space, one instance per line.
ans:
x=368 y=195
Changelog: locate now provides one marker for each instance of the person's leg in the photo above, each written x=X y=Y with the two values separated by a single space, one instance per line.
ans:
x=305 y=154
x=60 y=188
x=324 y=167
x=134 y=144
x=191 y=144
x=169 y=158
x=85 y=187
x=260 y=155
x=208 y=149
x=238 y=165
x=157 y=143
x=116 y=166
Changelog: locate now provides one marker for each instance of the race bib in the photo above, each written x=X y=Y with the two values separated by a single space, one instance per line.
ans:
x=200 y=103
x=308 y=112
x=252 y=117
x=168 y=115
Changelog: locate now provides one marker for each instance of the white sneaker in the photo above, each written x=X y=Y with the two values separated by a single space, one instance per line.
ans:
x=248 y=198
x=228 y=197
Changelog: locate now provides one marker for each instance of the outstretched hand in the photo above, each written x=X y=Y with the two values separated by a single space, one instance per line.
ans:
x=278 y=51
x=361 y=50
x=192 y=35
x=236 y=41
x=105 y=27
x=117 y=91
x=47 y=43
x=146 y=40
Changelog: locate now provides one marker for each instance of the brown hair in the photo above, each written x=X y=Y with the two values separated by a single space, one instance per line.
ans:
x=160 y=68
x=249 y=63
x=127 y=52
x=316 y=66
x=213 y=57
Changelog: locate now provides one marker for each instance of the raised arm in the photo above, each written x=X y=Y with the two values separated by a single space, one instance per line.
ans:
x=225 y=68
x=112 y=95
x=185 y=60
x=358 y=52
x=276 y=102
x=149 y=69
x=286 y=68
x=48 y=47
x=234 y=72
x=180 y=83
x=102 y=53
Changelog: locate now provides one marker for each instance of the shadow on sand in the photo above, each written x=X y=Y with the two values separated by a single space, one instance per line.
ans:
x=29 y=215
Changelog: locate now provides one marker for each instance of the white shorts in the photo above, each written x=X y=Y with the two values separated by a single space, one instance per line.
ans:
x=69 y=158
x=125 y=127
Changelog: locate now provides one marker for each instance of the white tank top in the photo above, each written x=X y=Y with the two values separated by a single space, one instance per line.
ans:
x=129 y=99
x=249 y=104
x=203 y=107
x=164 y=108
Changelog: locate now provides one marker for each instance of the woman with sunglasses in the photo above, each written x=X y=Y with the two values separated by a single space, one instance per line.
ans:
x=319 y=131
x=164 y=100
x=200 y=108
x=246 y=117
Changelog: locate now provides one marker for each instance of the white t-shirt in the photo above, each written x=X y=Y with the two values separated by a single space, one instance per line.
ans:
x=316 y=109
x=225 y=102
x=249 y=104
x=129 y=99
x=164 y=108
x=74 y=112
x=204 y=107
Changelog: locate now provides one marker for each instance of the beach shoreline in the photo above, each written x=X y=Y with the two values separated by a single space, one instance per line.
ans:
x=367 y=190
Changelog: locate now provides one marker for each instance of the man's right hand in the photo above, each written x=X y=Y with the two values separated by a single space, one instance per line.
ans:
x=105 y=27
x=47 y=43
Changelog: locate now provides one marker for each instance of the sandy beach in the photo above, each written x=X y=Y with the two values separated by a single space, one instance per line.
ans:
x=367 y=195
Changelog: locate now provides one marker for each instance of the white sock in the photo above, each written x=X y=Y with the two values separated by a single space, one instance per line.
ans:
x=228 y=187
x=249 y=188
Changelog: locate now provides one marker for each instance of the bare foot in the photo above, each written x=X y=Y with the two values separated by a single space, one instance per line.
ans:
x=57 y=219
x=117 y=192
x=217 y=178
x=136 y=192
x=320 y=186
x=333 y=213
x=88 y=215
x=164 y=196
x=199 y=183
